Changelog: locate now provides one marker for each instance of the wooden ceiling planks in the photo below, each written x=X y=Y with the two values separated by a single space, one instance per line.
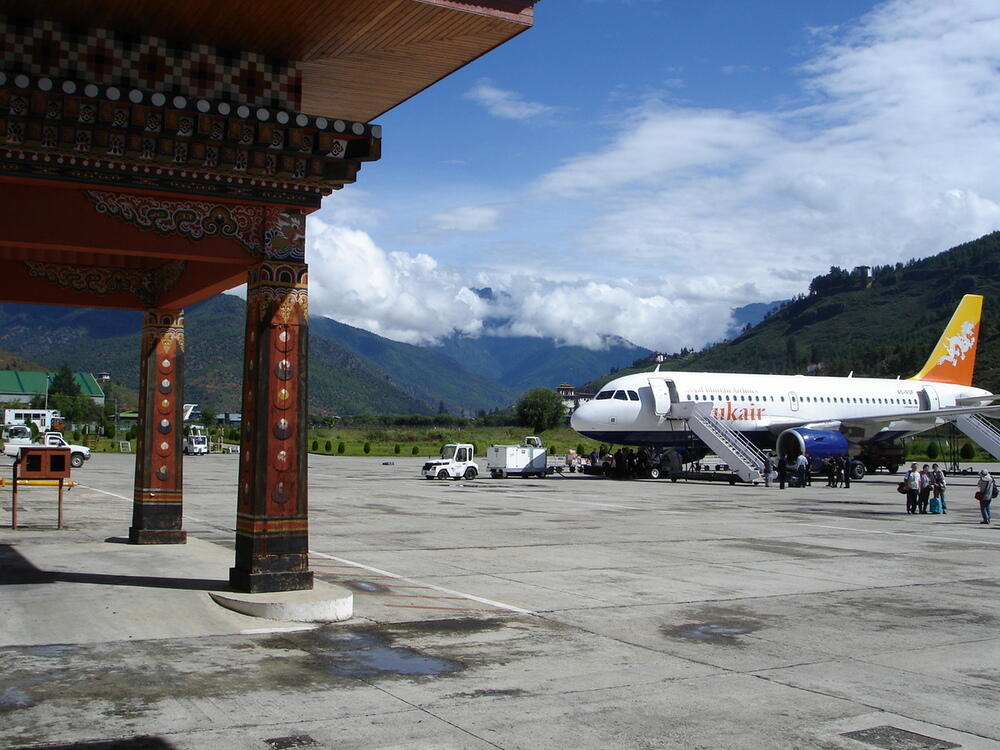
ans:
x=360 y=58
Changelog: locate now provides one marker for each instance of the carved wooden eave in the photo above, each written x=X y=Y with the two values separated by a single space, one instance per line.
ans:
x=84 y=132
x=355 y=59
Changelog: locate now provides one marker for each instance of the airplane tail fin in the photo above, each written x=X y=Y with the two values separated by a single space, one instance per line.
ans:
x=954 y=357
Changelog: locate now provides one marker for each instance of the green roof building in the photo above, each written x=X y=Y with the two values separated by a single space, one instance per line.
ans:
x=22 y=385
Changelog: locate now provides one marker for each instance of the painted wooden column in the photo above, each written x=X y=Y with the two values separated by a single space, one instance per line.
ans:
x=157 y=510
x=272 y=526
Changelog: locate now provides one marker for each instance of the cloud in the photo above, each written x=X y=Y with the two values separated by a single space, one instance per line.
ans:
x=889 y=154
x=508 y=105
x=467 y=219
x=413 y=298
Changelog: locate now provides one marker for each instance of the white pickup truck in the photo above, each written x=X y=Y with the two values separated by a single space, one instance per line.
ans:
x=78 y=453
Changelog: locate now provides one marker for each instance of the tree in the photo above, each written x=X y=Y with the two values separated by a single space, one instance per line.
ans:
x=64 y=382
x=540 y=409
x=208 y=416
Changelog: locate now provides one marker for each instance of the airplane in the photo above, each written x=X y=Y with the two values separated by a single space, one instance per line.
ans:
x=794 y=414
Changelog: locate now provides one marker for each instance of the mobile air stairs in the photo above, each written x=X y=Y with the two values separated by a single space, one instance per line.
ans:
x=742 y=456
x=981 y=432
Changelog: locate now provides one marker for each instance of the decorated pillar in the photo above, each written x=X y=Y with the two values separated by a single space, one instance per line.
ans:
x=272 y=529
x=157 y=509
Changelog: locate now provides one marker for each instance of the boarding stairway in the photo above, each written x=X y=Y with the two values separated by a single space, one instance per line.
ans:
x=984 y=434
x=742 y=456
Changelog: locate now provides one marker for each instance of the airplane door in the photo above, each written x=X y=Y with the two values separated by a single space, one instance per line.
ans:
x=929 y=399
x=661 y=395
x=793 y=401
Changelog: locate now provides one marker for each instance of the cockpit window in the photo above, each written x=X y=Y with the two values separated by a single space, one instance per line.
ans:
x=633 y=396
x=620 y=395
x=603 y=395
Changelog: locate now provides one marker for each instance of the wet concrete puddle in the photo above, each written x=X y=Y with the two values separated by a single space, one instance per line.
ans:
x=363 y=653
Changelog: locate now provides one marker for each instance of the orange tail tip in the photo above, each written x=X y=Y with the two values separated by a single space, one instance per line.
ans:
x=954 y=357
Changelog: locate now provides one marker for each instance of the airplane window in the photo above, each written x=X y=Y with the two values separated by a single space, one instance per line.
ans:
x=633 y=396
x=603 y=395
x=620 y=395
x=782 y=398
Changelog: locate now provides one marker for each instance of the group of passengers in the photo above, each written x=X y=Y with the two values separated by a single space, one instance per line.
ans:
x=925 y=491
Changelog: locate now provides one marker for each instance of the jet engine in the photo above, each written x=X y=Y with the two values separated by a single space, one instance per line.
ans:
x=819 y=444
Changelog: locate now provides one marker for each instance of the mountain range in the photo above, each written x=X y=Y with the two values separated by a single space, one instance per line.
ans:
x=883 y=322
x=351 y=371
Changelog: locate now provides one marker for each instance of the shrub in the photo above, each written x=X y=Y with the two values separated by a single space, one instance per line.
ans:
x=396 y=449
x=933 y=451
x=77 y=436
x=315 y=446
x=416 y=450
x=328 y=446
x=340 y=448
x=367 y=448
x=580 y=450
x=967 y=452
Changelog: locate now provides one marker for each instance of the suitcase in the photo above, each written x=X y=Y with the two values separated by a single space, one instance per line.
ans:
x=935 y=505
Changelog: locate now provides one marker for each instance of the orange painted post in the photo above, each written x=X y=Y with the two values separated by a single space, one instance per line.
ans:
x=59 y=524
x=157 y=510
x=13 y=492
x=272 y=528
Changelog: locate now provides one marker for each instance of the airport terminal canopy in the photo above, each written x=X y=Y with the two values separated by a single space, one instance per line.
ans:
x=154 y=154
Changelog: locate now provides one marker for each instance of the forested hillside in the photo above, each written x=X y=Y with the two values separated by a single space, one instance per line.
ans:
x=881 y=326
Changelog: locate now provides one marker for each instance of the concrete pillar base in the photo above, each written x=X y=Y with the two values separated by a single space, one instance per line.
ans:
x=257 y=583
x=323 y=604
x=156 y=536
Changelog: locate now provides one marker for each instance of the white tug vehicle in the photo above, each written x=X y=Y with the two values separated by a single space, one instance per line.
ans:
x=457 y=461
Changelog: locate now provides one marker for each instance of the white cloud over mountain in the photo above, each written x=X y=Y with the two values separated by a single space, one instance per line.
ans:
x=686 y=211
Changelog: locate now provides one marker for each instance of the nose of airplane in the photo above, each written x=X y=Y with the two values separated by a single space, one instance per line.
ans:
x=580 y=420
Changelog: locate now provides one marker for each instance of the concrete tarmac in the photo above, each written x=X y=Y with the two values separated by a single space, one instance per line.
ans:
x=570 y=612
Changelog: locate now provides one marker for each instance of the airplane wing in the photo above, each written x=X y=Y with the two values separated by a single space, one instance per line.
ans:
x=869 y=425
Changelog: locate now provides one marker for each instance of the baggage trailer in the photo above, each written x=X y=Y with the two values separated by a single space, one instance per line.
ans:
x=530 y=458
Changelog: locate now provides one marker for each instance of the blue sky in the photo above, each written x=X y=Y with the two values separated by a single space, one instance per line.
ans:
x=640 y=167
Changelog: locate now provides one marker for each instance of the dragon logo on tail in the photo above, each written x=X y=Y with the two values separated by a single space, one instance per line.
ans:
x=956 y=347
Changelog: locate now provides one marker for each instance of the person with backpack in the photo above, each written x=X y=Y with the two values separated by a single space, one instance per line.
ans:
x=938 y=504
x=987 y=491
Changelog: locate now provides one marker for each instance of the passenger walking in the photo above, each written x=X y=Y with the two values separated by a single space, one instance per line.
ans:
x=987 y=489
x=839 y=464
x=802 y=469
x=911 y=482
x=938 y=478
x=925 y=488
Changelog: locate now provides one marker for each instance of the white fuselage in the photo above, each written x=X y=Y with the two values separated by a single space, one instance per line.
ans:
x=629 y=411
